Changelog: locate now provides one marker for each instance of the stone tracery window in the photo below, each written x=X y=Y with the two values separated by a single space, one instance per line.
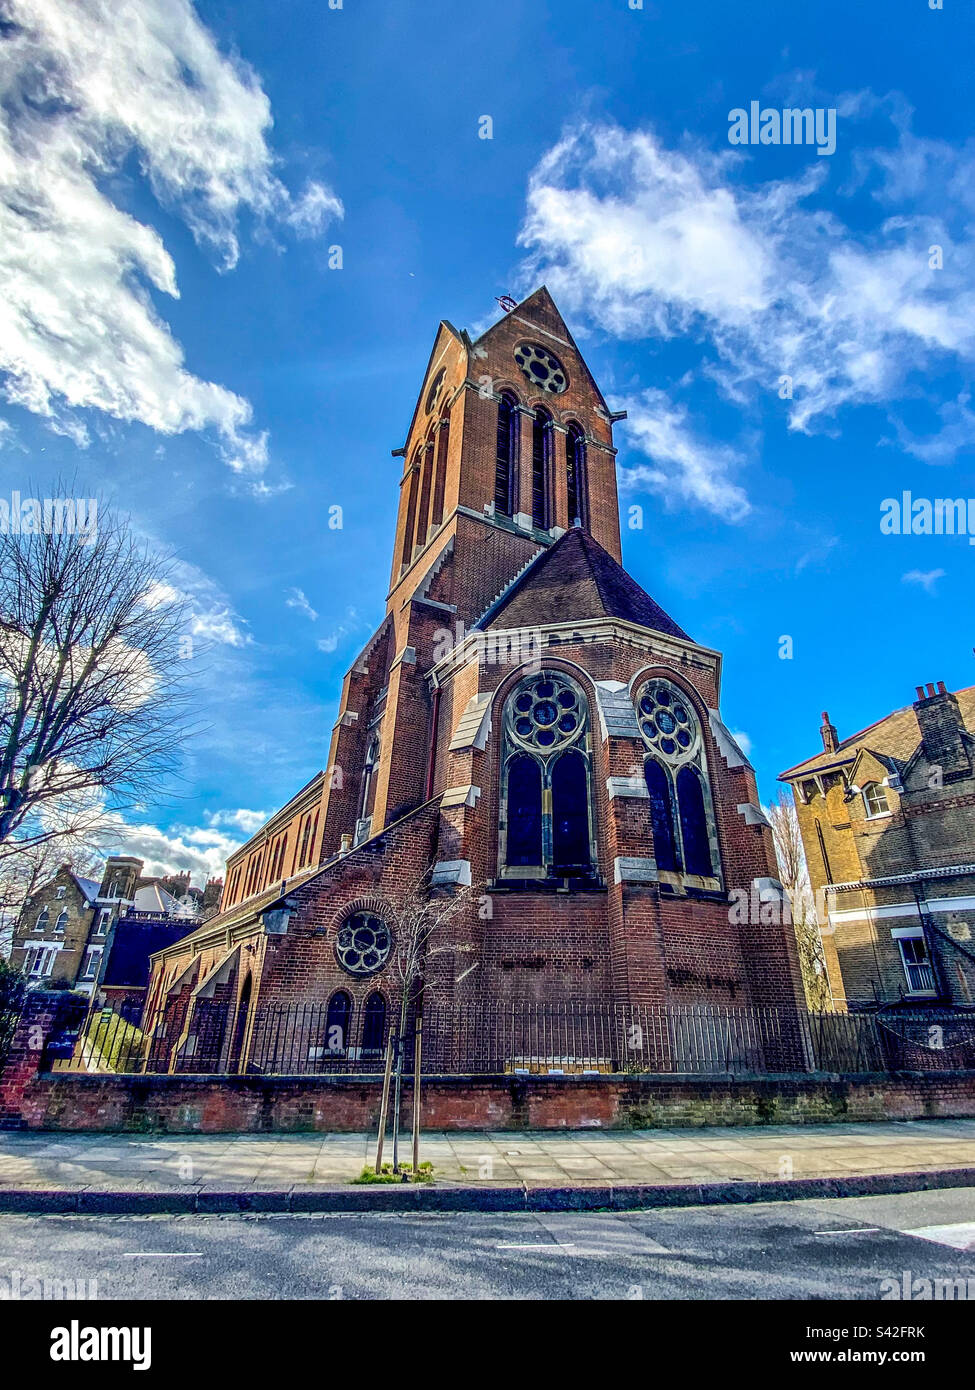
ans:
x=675 y=770
x=546 y=799
x=363 y=944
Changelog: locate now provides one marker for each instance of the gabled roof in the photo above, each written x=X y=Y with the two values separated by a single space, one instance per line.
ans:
x=572 y=580
x=153 y=898
x=893 y=739
x=540 y=310
x=88 y=887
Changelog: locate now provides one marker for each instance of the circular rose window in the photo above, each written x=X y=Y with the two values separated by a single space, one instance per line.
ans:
x=541 y=367
x=363 y=944
x=666 y=719
x=546 y=712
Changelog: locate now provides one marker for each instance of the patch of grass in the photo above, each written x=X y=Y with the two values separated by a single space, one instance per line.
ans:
x=424 y=1173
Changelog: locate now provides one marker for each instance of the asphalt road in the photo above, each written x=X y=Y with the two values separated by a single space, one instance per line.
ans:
x=833 y=1249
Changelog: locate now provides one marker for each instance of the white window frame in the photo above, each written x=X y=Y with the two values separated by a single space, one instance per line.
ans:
x=60 y=924
x=902 y=934
x=102 y=921
x=91 y=958
x=44 y=956
x=38 y=926
x=61 y=891
x=871 y=814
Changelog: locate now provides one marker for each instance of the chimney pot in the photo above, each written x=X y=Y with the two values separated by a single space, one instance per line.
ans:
x=920 y=691
x=930 y=689
x=941 y=688
x=828 y=734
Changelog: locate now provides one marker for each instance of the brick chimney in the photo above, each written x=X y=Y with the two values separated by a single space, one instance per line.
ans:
x=828 y=734
x=940 y=722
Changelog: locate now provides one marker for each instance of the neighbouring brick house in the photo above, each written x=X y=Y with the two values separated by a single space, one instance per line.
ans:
x=67 y=928
x=525 y=720
x=887 y=818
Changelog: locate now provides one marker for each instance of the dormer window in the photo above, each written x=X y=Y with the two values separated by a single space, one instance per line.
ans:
x=875 y=800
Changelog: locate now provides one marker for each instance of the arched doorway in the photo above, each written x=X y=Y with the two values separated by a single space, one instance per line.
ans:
x=240 y=1027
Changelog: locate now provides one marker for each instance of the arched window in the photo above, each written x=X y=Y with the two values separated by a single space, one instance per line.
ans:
x=570 y=814
x=440 y=482
x=575 y=476
x=875 y=800
x=374 y=1023
x=693 y=823
x=661 y=816
x=524 y=811
x=406 y=554
x=546 y=811
x=426 y=488
x=681 y=814
x=62 y=921
x=371 y=755
x=43 y=920
x=542 y=469
x=506 y=472
x=338 y=1022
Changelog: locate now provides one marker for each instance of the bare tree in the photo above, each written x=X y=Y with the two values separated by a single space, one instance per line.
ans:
x=423 y=915
x=795 y=879
x=91 y=705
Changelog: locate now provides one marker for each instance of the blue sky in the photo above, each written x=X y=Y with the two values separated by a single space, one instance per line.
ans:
x=176 y=341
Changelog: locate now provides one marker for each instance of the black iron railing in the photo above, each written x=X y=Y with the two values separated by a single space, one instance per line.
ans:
x=214 y=1036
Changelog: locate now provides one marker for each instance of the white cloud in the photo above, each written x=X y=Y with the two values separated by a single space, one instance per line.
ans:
x=683 y=466
x=85 y=85
x=240 y=819
x=743 y=741
x=300 y=602
x=650 y=242
x=202 y=852
x=208 y=610
x=328 y=644
x=926 y=578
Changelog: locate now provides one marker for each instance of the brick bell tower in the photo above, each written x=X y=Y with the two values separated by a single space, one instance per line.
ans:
x=510 y=446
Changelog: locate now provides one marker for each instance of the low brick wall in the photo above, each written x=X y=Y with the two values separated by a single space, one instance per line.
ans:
x=188 y=1104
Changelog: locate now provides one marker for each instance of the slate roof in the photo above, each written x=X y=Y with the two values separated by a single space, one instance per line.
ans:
x=573 y=580
x=88 y=886
x=896 y=736
x=133 y=944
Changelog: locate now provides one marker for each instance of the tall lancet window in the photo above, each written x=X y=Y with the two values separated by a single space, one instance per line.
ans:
x=681 y=809
x=442 y=438
x=364 y=820
x=542 y=469
x=426 y=489
x=506 y=471
x=410 y=521
x=575 y=476
x=546 y=820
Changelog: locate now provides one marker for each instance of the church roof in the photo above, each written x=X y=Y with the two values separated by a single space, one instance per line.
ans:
x=573 y=580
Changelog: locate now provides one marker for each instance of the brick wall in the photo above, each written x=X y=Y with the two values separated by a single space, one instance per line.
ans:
x=179 y=1104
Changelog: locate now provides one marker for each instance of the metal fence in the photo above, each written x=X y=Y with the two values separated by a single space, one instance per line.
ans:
x=213 y=1037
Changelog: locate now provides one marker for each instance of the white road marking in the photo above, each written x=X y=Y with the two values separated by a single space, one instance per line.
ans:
x=163 y=1255
x=853 y=1231
x=960 y=1235
x=546 y=1247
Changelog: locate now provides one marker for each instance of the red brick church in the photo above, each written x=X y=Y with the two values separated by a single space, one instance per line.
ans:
x=526 y=724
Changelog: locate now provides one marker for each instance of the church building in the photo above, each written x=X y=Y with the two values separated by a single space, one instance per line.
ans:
x=526 y=729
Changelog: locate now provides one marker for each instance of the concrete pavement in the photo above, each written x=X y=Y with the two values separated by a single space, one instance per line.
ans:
x=64 y=1171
